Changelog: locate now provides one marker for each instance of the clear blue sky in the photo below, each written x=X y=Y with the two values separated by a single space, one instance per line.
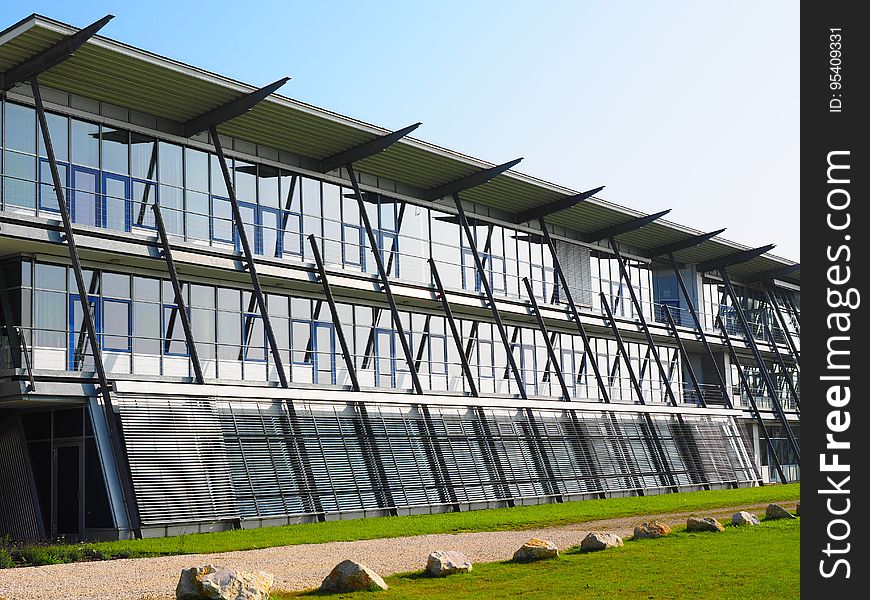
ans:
x=686 y=105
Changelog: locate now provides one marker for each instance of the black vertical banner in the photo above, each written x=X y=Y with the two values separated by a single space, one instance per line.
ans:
x=834 y=273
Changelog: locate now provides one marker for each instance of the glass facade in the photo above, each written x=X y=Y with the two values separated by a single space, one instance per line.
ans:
x=139 y=331
x=759 y=314
x=310 y=452
x=113 y=177
x=607 y=280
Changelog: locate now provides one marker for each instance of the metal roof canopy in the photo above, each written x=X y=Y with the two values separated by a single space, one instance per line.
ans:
x=695 y=240
x=112 y=72
x=778 y=273
x=733 y=259
x=469 y=181
x=231 y=110
x=365 y=149
x=619 y=228
x=51 y=56
x=554 y=207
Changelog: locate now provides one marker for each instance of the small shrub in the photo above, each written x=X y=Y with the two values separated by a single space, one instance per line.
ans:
x=6 y=561
x=37 y=556
x=94 y=554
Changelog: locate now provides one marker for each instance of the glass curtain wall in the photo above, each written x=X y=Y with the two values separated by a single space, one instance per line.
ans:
x=113 y=177
x=139 y=330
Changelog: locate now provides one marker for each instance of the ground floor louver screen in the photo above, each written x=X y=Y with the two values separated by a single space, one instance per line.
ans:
x=204 y=459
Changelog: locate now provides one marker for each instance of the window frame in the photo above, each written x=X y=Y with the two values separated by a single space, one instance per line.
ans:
x=166 y=343
x=102 y=336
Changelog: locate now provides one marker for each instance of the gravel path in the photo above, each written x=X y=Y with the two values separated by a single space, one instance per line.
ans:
x=298 y=567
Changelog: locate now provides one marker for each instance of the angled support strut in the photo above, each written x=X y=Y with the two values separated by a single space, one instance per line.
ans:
x=180 y=304
x=249 y=258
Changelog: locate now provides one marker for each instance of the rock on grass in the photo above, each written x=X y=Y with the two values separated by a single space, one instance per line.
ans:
x=651 y=530
x=536 y=549
x=351 y=576
x=775 y=511
x=703 y=524
x=600 y=541
x=744 y=518
x=447 y=562
x=217 y=583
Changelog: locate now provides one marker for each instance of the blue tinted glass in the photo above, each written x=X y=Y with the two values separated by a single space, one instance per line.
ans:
x=51 y=277
x=195 y=170
x=171 y=165
x=20 y=128
x=116 y=150
x=144 y=196
x=143 y=156
x=196 y=216
x=19 y=184
x=85 y=143
x=58 y=128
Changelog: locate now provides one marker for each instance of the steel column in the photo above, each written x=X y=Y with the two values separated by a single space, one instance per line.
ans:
x=424 y=341
x=793 y=310
x=489 y=440
x=554 y=360
x=580 y=443
x=574 y=313
x=336 y=318
x=580 y=446
x=621 y=346
x=435 y=456
x=454 y=330
x=372 y=456
x=770 y=296
x=756 y=353
x=249 y=258
x=370 y=344
x=657 y=452
x=785 y=375
x=699 y=329
x=179 y=294
x=385 y=282
x=688 y=450
x=685 y=355
x=542 y=452
x=301 y=463
x=751 y=398
x=87 y=318
x=484 y=281
x=663 y=374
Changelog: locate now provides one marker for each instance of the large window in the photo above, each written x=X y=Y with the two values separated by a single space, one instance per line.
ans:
x=114 y=178
x=607 y=279
x=138 y=323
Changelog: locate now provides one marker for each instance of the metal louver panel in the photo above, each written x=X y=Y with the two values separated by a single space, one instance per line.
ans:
x=19 y=514
x=221 y=459
x=178 y=460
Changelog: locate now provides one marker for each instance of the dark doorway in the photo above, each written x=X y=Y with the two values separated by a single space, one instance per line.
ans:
x=67 y=521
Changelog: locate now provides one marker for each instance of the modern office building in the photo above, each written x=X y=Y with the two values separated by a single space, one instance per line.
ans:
x=225 y=308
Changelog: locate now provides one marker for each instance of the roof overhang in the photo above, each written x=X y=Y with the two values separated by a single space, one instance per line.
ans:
x=116 y=73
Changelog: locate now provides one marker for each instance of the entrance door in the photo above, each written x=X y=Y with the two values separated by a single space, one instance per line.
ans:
x=67 y=514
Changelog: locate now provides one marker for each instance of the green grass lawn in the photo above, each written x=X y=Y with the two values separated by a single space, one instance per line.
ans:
x=745 y=563
x=521 y=517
